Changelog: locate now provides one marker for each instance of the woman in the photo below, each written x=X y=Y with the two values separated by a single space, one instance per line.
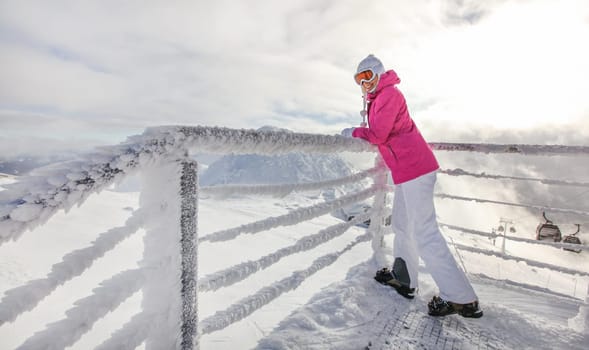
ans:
x=413 y=167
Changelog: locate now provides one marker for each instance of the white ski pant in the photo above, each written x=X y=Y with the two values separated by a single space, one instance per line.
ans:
x=417 y=235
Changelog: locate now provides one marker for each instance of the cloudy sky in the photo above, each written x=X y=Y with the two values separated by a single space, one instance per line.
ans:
x=89 y=72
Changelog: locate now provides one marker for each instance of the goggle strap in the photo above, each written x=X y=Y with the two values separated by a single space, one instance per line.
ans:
x=364 y=107
x=363 y=73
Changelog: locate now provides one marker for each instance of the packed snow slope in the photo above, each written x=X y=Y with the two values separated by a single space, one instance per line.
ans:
x=358 y=313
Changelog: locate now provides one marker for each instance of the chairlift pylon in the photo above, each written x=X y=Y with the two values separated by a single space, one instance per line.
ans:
x=548 y=231
x=572 y=238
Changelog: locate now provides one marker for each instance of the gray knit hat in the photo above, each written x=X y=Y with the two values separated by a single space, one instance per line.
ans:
x=371 y=63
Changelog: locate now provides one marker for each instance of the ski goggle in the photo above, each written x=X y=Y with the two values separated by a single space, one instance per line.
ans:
x=364 y=77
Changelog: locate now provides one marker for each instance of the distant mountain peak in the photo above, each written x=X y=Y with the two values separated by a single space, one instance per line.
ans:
x=288 y=168
x=272 y=128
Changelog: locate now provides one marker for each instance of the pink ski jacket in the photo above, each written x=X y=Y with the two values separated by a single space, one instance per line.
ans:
x=391 y=128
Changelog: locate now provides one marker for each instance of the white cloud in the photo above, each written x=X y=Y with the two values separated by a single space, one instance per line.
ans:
x=38 y=79
x=520 y=67
x=112 y=66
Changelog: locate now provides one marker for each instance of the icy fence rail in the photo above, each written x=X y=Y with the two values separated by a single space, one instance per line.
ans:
x=34 y=199
x=161 y=155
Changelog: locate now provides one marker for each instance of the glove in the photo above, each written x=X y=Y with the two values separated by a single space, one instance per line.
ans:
x=347 y=132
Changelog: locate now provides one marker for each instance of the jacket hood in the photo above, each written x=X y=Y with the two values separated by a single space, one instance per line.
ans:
x=388 y=78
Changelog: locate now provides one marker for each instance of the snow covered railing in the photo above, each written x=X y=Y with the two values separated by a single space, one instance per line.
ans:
x=536 y=150
x=284 y=189
x=249 y=304
x=529 y=262
x=24 y=298
x=169 y=215
x=87 y=311
x=34 y=199
x=461 y=172
x=511 y=204
x=294 y=217
x=241 y=271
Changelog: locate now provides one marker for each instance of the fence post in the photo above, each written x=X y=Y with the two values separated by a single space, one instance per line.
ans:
x=189 y=251
x=168 y=197
x=377 y=219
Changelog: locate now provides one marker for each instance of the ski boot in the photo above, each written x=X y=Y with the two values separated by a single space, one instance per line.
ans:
x=387 y=277
x=440 y=307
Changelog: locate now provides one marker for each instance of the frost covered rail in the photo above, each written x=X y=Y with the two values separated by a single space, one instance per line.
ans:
x=292 y=218
x=34 y=199
x=515 y=258
x=26 y=297
x=239 y=272
x=511 y=148
x=530 y=206
x=86 y=312
x=168 y=214
x=246 y=306
x=131 y=335
x=461 y=172
x=284 y=189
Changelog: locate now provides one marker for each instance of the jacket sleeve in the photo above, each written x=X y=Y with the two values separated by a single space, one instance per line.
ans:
x=382 y=123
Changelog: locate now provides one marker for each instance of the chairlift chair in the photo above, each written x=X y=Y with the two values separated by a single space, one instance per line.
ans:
x=573 y=239
x=548 y=231
x=501 y=229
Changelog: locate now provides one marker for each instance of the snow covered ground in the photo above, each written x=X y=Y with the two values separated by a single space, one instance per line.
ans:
x=358 y=313
x=340 y=307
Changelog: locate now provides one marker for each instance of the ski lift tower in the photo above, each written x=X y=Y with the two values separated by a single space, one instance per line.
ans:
x=504 y=225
